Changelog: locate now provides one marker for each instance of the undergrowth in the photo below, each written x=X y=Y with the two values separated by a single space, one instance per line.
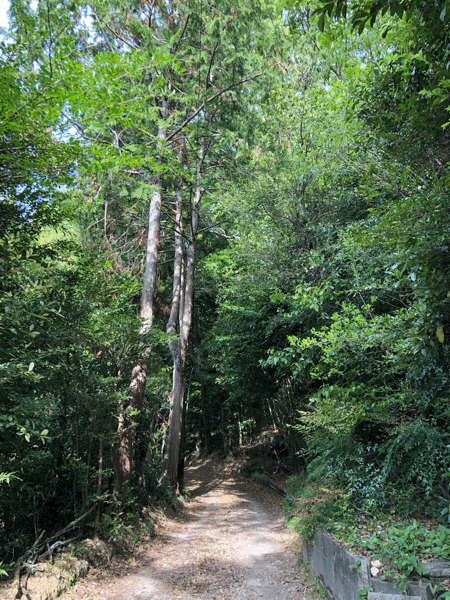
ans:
x=401 y=545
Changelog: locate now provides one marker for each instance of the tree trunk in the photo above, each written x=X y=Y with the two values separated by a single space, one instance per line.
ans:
x=172 y=447
x=99 y=487
x=180 y=475
x=179 y=347
x=169 y=470
x=123 y=455
x=240 y=426
x=205 y=419
x=223 y=429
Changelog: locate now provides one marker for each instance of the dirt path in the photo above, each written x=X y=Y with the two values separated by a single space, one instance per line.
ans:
x=231 y=544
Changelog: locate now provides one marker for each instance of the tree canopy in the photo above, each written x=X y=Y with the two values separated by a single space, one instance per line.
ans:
x=218 y=220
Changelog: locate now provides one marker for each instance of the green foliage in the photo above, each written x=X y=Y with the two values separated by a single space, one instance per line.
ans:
x=401 y=547
x=345 y=229
x=308 y=505
x=411 y=538
x=444 y=516
x=6 y=477
x=322 y=302
x=124 y=524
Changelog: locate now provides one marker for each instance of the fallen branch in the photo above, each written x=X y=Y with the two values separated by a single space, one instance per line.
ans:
x=72 y=524
x=30 y=551
x=265 y=480
x=49 y=552
x=22 y=564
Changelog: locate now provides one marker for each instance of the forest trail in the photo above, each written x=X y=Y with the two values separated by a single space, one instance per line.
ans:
x=231 y=543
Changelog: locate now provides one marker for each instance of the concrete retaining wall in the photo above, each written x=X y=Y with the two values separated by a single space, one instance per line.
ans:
x=332 y=565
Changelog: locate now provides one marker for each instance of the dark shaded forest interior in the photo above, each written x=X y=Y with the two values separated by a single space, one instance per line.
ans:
x=221 y=223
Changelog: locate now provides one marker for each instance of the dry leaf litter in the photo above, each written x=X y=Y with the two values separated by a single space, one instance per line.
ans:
x=230 y=543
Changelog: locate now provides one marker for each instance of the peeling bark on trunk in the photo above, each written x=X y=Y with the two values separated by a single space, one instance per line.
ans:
x=179 y=347
x=123 y=455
